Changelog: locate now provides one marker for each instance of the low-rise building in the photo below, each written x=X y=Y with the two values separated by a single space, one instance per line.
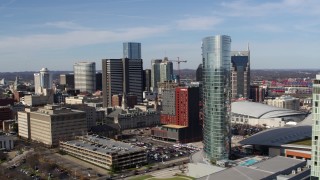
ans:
x=7 y=142
x=37 y=100
x=280 y=168
x=104 y=152
x=50 y=124
x=286 y=102
x=134 y=118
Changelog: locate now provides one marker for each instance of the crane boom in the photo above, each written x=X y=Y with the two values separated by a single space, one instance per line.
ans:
x=178 y=62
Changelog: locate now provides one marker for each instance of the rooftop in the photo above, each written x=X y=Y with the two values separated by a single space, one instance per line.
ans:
x=259 y=170
x=279 y=136
x=261 y=111
x=173 y=126
x=103 y=145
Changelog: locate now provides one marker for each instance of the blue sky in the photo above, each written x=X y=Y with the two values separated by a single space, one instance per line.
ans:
x=56 y=34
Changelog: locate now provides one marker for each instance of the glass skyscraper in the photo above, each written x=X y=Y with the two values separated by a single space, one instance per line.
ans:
x=42 y=80
x=315 y=156
x=166 y=70
x=132 y=50
x=216 y=60
x=240 y=74
x=85 y=76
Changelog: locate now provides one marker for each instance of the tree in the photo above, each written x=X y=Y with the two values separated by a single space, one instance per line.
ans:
x=15 y=127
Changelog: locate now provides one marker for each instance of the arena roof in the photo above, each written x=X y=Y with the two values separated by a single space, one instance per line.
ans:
x=279 y=136
x=261 y=111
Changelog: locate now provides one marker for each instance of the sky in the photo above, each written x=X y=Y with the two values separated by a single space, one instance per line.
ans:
x=282 y=34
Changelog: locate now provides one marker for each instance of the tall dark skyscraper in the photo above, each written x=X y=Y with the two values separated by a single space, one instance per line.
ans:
x=132 y=50
x=199 y=73
x=155 y=74
x=216 y=62
x=240 y=74
x=112 y=78
x=146 y=79
x=99 y=81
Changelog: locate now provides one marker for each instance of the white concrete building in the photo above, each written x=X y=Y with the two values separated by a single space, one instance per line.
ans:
x=7 y=142
x=286 y=102
x=245 y=112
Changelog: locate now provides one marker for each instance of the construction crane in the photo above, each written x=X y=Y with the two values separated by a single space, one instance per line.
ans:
x=179 y=61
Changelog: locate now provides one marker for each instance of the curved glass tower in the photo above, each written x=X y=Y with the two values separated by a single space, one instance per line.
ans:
x=216 y=60
x=85 y=76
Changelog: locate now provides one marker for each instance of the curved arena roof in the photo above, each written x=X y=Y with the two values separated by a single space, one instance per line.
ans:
x=279 y=136
x=261 y=111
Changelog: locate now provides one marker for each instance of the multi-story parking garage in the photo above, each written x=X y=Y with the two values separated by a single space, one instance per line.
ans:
x=104 y=152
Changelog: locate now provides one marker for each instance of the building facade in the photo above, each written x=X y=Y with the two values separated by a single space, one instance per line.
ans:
x=166 y=70
x=50 y=124
x=315 y=156
x=132 y=50
x=286 y=102
x=155 y=74
x=7 y=142
x=199 y=73
x=67 y=80
x=180 y=115
x=147 y=79
x=130 y=99
x=240 y=74
x=216 y=58
x=257 y=93
x=85 y=76
x=106 y=153
x=113 y=77
x=42 y=80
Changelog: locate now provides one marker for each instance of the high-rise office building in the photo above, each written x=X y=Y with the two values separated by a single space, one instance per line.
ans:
x=166 y=70
x=216 y=60
x=42 y=80
x=132 y=50
x=155 y=73
x=112 y=77
x=199 y=73
x=315 y=156
x=67 y=79
x=85 y=76
x=146 y=79
x=240 y=74
x=99 y=81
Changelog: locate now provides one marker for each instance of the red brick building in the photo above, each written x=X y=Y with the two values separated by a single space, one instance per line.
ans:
x=180 y=115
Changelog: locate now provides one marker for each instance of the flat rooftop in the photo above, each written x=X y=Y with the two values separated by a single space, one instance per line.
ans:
x=173 y=126
x=259 y=170
x=103 y=145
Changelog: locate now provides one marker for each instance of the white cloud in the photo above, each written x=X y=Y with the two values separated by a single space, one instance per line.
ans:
x=251 y=8
x=64 y=25
x=75 y=38
x=198 y=23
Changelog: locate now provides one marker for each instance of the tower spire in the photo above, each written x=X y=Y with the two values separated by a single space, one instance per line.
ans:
x=248 y=49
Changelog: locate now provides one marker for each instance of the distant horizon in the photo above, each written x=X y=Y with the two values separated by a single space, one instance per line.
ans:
x=308 y=69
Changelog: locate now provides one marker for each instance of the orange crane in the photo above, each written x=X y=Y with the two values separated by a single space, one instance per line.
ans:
x=179 y=61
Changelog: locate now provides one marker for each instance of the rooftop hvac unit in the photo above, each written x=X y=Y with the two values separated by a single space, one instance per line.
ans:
x=299 y=169
x=293 y=172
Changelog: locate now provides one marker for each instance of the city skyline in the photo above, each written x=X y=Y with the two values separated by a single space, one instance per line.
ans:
x=57 y=34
